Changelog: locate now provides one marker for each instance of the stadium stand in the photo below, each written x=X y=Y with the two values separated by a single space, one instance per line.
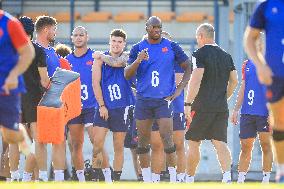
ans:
x=34 y=15
x=191 y=17
x=128 y=17
x=101 y=16
x=166 y=16
x=65 y=16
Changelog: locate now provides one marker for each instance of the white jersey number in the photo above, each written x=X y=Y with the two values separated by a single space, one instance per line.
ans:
x=250 y=97
x=155 y=79
x=114 y=92
x=84 y=94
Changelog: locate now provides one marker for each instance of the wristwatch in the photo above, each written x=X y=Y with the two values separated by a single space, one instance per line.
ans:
x=187 y=103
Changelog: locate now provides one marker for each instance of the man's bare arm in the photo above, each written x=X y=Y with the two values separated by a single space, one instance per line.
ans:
x=232 y=84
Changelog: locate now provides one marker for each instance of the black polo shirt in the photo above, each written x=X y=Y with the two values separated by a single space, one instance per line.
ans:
x=217 y=64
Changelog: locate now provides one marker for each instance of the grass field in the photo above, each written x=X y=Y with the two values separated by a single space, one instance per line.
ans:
x=125 y=185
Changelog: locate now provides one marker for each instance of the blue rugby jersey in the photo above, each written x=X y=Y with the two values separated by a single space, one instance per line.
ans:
x=116 y=89
x=269 y=16
x=155 y=77
x=83 y=66
x=254 y=97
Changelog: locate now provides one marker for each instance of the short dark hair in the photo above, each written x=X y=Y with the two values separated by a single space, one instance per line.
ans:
x=43 y=21
x=63 y=50
x=118 y=33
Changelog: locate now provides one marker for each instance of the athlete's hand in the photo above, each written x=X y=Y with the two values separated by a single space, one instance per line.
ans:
x=264 y=74
x=97 y=55
x=176 y=94
x=235 y=117
x=143 y=55
x=187 y=113
x=103 y=112
x=10 y=83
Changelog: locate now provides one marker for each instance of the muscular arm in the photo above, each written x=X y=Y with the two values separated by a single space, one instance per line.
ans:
x=44 y=79
x=232 y=84
x=96 y=77
x=194 y=84
x=240 y=97
x=250 y=37
x=186 y=76
x=115 y=61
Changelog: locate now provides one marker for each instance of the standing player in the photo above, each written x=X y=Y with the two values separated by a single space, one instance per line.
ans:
x=253 y=121
x=16 y=54
x=269 y=16
x=152 y=61
x=213 y=81
x=46 y=30
x=36 y=79
x=178 y=130
x=114 y=96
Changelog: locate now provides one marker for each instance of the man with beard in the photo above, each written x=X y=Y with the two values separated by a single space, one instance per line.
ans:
x=46 y=30
x=152 y=61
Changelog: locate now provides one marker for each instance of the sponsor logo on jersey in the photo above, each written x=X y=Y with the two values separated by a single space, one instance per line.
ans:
x=90 y=62
x=165 y=49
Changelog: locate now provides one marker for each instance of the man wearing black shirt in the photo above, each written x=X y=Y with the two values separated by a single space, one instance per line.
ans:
x=36 y=80
x=213 y=81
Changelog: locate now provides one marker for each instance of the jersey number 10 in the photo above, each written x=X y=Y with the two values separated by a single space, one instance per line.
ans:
x=114 y=92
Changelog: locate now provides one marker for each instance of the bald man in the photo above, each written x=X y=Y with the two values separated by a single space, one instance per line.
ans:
x=213 y=81
x=152 y=62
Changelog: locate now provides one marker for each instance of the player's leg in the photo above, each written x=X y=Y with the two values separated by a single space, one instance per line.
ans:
x=275 y=97
x=264 y=135
x=193 y=158
x=4 y=162
x=144 y=120
x=157 y=153
x=166 y=133
x=14 y=157
x=31 y=164
x=218 y=134
x=267 y=155
x=58 y=160
x=12 y=131
x=248 y=132
x=77 y=139
x=179 y=127
x=118 y=141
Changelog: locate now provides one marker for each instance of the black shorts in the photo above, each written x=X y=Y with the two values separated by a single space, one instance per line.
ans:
x=208 y=126
x=29 y=108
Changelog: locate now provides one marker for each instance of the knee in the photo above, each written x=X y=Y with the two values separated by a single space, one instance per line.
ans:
x=77 y=146
x=157 y=146
x=266 y=147
x=246 y=149
x=9 y=138
x=179 y=146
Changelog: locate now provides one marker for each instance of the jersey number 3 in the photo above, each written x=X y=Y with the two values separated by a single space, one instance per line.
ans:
x=84 y=94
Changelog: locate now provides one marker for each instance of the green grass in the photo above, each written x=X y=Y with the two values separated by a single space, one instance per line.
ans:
x=131 y=185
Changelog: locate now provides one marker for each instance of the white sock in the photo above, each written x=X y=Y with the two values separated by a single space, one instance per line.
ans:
x=227 y=177
x=27 y=177
x=107 y=175
x=146 y=173
x=15 y=175
x=189 y=179
x=241 y=177
x=173 y=174
x=180 y=177
x=58 y=175
x=43 y=176
x=266 y=177
x=155 y=178
x=80 y=175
